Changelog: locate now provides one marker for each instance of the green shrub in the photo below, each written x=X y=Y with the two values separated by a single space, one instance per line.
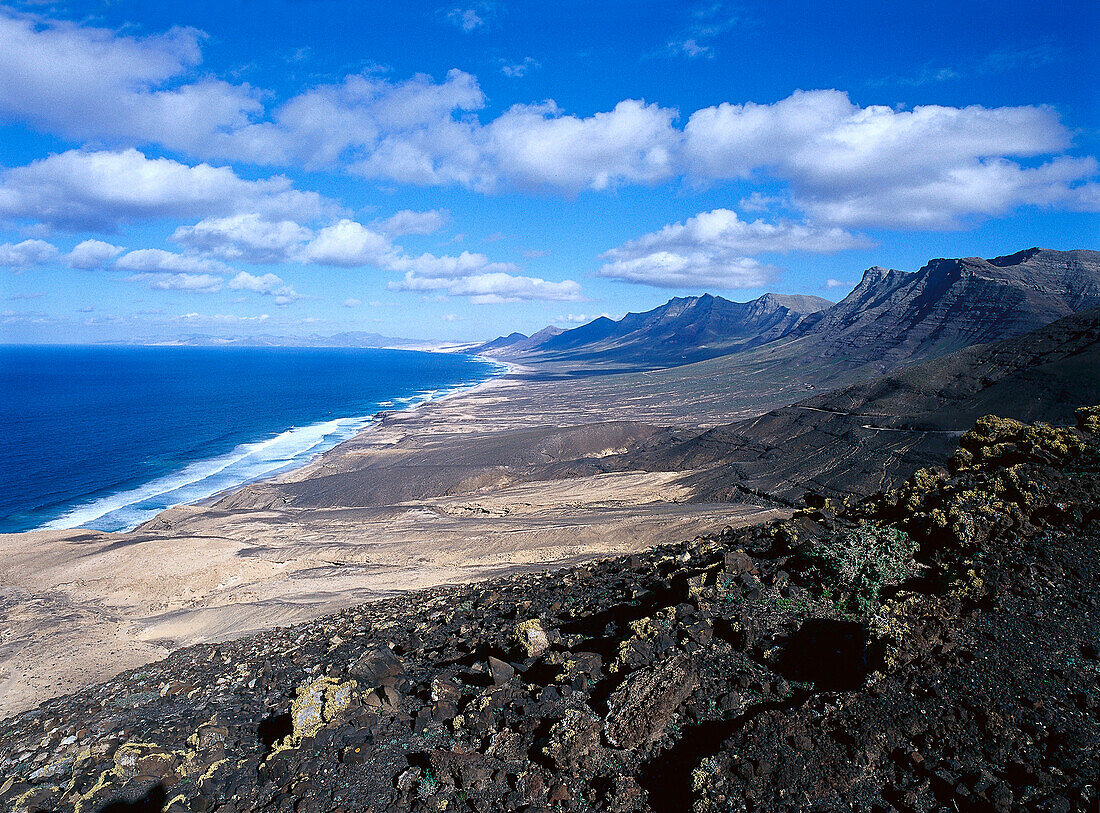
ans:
x=859 y=562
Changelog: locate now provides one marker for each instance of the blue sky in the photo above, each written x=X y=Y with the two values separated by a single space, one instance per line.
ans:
x=461 y=170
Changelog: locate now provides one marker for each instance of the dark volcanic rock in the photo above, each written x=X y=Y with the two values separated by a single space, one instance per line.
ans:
x=640 y=709
x=930 y=648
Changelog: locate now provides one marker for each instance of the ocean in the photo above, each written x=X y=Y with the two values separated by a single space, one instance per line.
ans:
x=107 y=437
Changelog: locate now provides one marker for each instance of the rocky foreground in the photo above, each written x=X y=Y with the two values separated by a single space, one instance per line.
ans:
x=931 y=648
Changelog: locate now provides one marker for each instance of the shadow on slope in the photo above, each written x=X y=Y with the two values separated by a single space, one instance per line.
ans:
x=870 y=435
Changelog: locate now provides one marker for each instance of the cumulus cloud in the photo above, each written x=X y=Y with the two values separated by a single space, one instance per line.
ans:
x=90 y=254
x=493 y=287
x=665 y=269
x=27 y=254
x=156 y=260
x=193 y=283
x=246 y=237
x=88 y=82
x=349 y=244
x=930 y=167
x=477 y=277
x=101 y=189
x=539 y=146
x=583 y=318
x=369 y=120
x=713 y=249
x=410 y=222
x=266 y=284
x=220 y=318
x=837 y=283
x=448 y=266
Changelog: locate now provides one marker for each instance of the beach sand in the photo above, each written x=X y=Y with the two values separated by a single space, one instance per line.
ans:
x=479 y=484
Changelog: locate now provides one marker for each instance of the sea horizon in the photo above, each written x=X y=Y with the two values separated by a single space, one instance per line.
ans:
x=110 y=448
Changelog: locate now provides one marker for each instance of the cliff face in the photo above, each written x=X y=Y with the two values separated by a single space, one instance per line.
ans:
x=951 y=304
x=933 y=646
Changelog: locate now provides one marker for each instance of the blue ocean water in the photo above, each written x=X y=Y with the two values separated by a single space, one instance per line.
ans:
x=106 y=437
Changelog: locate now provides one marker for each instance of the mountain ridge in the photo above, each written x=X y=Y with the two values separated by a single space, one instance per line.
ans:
x=683 y=330
x=890 y=318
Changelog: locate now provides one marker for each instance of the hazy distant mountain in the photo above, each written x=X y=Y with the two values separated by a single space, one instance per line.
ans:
x=348 y=339
x=681 y=331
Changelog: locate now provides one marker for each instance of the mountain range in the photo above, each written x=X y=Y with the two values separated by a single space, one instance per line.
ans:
x=890 y=318
x=871 y=435
x=681 y=331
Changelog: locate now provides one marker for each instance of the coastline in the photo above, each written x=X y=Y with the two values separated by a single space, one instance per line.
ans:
x=373 y=423
x=466 y=486
x=315 y=436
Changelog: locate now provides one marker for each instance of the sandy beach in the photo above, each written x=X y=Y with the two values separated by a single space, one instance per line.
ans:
x=477 y=484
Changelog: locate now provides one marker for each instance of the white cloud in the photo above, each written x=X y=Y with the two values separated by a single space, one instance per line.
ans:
x=156 y=260
x=248 y=237
x=86 y=82
x=448 y=266
x=90 y=254
x=364 y=122
x=692 y=48
x=539 y=146
x=583 y=318
x=194 y=283
x=837 y=283
x=931 y=167
x=518 y=70
x=349 y=244
x=27 y=254
x=492 y=287
x=664 y=269
x=85 y=189
x=352 y=302
x=712 y=249
x=410 y=222
x=467 y=19
x=220 y=317
x=266 y=284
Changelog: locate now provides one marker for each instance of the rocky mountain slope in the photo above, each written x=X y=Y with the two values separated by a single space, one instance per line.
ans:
x=951 y=304
x=857 y=439
x=891 y=318
x=932 y=648
x=681 y=331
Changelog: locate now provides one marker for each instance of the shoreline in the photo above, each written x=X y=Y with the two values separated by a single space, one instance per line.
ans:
x=243 y=449
x=478 y=484
x=372 y=425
